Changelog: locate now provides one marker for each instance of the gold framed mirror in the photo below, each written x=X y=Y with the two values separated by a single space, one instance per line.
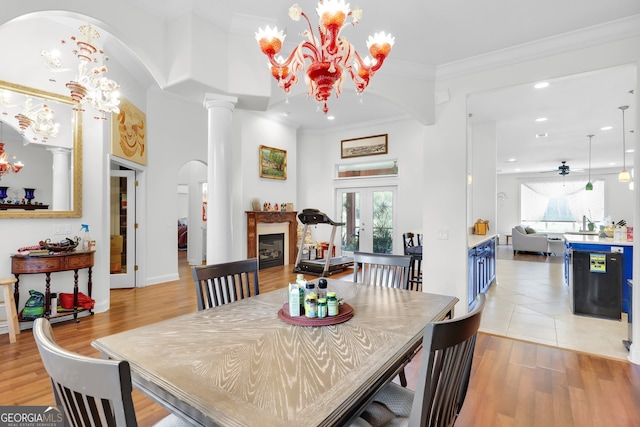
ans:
x=42 y=134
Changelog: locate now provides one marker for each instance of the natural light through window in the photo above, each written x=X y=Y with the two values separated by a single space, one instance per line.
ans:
x=561 y=206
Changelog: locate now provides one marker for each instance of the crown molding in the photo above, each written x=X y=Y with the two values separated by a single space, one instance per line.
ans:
x=586 y=37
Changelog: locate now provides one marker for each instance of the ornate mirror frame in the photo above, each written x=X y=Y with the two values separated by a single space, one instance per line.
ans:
x=76 y=211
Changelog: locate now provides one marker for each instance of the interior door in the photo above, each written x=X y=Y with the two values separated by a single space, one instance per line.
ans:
x=369 y=217
x=123 y=229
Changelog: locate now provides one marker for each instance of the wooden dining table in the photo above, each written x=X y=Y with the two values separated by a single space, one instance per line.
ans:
x=239 y=364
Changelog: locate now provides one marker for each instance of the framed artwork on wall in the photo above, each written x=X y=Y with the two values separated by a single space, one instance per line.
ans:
x=366 y=146
x=129 y=133
x=273 y=162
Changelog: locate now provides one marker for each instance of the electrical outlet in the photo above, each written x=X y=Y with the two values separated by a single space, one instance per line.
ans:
x=443 y=234
x=617 y=249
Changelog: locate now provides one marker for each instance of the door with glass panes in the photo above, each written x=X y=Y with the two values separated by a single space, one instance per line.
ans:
x=369 y=218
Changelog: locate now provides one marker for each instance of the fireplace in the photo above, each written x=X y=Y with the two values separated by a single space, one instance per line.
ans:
x=273 y=222
x=270 y=250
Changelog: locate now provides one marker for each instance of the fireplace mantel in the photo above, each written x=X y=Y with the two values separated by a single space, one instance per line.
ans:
x=256 y=217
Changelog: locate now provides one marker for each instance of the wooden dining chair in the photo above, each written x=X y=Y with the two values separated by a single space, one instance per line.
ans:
x=407 y=240
x=415 y=250
x=92 y=391
x=387 y=270
x=219 y=284
x=443 y=380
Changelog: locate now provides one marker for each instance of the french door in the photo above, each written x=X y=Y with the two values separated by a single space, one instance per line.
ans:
x=369 y=217
x=123 y=205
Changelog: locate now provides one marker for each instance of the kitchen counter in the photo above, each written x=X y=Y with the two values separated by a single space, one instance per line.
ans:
x=477 y=239
x=595 y=240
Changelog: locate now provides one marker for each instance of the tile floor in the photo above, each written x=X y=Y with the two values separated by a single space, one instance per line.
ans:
x=530 y=302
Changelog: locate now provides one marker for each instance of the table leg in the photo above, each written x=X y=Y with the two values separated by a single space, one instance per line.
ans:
x=75 y=295
x=89 y=283
x=47 y=293
x=16 y=292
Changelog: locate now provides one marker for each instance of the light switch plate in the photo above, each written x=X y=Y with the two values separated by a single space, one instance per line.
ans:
x=62 y=229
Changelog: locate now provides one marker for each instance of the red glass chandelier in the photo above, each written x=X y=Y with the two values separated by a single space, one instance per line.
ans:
x=5 y=165
x=330 y=56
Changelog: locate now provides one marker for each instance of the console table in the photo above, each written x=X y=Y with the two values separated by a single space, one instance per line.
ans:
x=47 y=264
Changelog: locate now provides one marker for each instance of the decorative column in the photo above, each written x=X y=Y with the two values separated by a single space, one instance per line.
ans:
x=61 y=178
x=219 y=215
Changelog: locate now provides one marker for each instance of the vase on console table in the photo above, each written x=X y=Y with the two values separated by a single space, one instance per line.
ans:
x=3 y=194
x=29 y=194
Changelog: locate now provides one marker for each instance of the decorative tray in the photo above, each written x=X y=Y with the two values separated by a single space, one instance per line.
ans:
x=345 y=312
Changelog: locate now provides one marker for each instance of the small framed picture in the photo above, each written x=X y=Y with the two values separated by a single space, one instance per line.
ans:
x=367 y=146
x=273 y=163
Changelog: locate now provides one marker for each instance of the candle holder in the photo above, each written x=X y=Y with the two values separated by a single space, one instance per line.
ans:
x=29 y=194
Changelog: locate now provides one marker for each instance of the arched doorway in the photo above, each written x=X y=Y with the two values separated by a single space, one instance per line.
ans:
x=191 y=210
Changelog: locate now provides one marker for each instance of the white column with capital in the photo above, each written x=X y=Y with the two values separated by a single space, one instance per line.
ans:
x=61 y=177
x=219 y=214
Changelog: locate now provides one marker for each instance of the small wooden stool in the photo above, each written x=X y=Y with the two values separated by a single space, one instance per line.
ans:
x=10 y=308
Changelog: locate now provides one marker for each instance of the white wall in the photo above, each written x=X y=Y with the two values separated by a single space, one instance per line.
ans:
x=252 y=130
x=319 y=153
x=483 y=184
x=177 y=134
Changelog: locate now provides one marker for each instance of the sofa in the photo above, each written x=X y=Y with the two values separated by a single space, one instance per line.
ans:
x=525 y=239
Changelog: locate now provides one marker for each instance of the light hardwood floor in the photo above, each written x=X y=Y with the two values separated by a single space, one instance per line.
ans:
x=514 y=383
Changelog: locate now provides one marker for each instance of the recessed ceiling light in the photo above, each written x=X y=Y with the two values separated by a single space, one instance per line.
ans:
x=511 y=160
x=541 y=119
x=630 y=150
x=612 y=163
x=286 y=114
x=542 y=135
x=331 y=117
x=606 y=128
x=541 y=85
x=517 y=169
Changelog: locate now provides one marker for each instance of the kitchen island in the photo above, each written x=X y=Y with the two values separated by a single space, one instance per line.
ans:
x=596 y=244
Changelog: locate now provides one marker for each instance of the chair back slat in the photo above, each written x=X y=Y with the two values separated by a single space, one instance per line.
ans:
x=219 y=284
x=445 y=369
x=381 y=269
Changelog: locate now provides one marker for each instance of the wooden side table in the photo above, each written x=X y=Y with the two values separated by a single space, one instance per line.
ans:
x=47 y=264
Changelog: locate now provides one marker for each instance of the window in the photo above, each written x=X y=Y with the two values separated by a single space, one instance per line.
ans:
x=560 y=206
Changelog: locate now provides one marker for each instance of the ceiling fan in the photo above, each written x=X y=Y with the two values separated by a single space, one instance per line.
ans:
x=563 y=169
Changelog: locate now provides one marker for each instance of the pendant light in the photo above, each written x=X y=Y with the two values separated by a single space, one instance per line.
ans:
x=624 y=173
x=589 y=186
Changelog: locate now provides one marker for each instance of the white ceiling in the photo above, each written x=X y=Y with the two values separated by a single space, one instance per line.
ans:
x=432 y=35
x=575 y=107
